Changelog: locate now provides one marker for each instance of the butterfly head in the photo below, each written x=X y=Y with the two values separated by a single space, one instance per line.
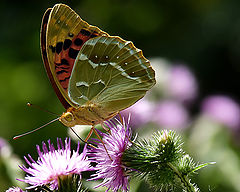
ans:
x=67 y=119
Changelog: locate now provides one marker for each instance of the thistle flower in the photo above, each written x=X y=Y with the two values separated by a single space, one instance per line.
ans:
x=14 y=189
x=53 y=164
x=171 y=115
x=182 y=84
x=161 y=161
x=109 y=164
x=174 y=81
x=142 y=112
x=222 y=109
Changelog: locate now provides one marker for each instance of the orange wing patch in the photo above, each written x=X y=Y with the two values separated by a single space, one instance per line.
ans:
x=66 y=53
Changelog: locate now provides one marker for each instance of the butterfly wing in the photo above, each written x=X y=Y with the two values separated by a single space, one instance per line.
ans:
x=63 y=33
x=110 y=73
x=45 y=59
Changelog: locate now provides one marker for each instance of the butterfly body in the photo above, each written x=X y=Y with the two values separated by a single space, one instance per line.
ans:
x=94 y=75
x=88 y=114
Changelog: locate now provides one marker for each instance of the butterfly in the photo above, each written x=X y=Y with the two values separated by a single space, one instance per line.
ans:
x=94 y=75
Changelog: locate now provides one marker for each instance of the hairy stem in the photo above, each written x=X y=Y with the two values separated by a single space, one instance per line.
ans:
x=187 y=185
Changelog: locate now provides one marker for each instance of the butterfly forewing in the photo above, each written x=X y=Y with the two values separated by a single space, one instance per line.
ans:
x=46 y=61
x=111 y=74
x=64 y=34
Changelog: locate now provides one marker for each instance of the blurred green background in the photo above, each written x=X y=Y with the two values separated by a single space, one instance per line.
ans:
x=204 y=35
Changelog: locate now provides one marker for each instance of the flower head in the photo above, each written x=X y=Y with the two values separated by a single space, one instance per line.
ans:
x=109 y=164
x=142 y=112
x=171 y=114
x=176 y=82
x=14 y=189
x=53 y=163
x=182 y=84
x=222 y=109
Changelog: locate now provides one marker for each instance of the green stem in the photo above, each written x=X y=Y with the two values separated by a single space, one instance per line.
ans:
x=187 y=185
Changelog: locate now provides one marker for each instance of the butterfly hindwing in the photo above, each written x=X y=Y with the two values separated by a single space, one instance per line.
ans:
x=110 y=73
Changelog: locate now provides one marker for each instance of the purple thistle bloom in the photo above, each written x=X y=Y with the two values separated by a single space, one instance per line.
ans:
x=176 y=82
x=112 y=171
x=182 y=84
x=14 y=189
x=53 y=163
x=171 y=115
x=142 y=112
x=222 y=109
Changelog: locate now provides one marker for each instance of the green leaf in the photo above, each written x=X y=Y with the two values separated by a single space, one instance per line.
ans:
x=202 y=166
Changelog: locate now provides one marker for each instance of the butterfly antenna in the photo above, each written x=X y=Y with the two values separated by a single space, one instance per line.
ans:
x=29 y=132
x=38 y=107
x=77 y=135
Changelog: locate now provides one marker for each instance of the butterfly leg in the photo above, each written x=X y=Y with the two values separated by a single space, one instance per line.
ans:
x=89 y=134
x=120 y=117
x=84 y=141
x=106 y=128
x=98 y=136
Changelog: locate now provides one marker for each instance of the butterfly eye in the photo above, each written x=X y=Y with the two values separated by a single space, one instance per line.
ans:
x=67 y=119
x=68 y=116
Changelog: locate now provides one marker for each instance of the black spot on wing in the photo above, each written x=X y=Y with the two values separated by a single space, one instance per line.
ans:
x=64 y=62
x=52 y=48
x=67 y=43
x=73 y=53
x=85 y=32
x=93 y=35
x=59 y=47
x=78 y=42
